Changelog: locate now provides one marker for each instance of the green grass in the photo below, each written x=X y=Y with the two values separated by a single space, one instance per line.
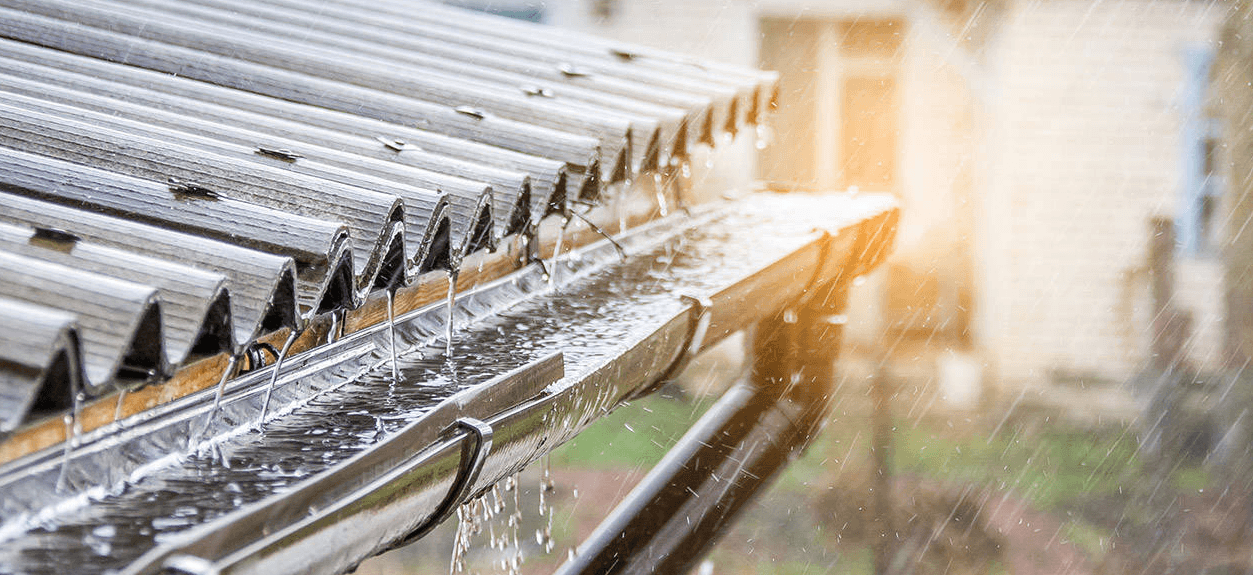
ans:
x=1190 y=479
x=1054 y=468
x=633 y=436
x=1048 y=468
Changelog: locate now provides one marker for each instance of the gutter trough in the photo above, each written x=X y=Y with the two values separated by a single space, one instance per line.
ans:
x=350 y=461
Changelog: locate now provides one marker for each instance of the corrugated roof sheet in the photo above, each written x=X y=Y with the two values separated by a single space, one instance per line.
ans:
x=39 y=350
x=181 y=178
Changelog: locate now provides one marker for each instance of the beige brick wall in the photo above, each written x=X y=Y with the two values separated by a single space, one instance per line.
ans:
x=1085 y=148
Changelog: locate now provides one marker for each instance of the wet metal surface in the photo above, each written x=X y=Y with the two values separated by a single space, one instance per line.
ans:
x=618 y=329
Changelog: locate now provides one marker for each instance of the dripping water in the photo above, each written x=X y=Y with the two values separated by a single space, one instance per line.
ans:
x=278 y=363
x=620 y=202
x=65 y=452
x=561 y=236
x=117 y=408
x=73 y=429
x=469 y=523
x=622 y=254
x=685 y=170
x=514 y=525
x=452 y=308
x=332 y=335
x=660 y=190
x=391 y=333
x=544 y=535
x=217 y=400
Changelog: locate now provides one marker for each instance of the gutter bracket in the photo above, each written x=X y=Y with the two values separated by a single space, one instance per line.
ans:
x=699 y=326
x=473 y=455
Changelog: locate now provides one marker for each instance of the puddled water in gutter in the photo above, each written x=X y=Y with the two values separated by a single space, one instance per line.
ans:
x=589 y=320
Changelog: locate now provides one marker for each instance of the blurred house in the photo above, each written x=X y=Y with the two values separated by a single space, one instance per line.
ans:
x=1231 y=100
x=1031 y=144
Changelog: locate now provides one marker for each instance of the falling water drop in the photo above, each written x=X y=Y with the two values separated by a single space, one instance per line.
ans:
x=763 y=136
x=469 y=523
x=217 y=401
x=686 y=170
x=65 y=453
x=391 y=333
x=117 y=408
x=660 y=190
x=451 y=303
x=514 y=525
x=544 y=535
x=561 y=236
x=620 y=203
x=278 y=363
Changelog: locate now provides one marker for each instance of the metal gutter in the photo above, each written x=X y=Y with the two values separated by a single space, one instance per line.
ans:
x=778 y=264
x=399 y=503
x=676 y=513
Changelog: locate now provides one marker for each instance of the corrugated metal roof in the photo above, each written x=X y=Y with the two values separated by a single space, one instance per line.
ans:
x=119 y=321
x=181 y=178
x=42 y=368
x=262 y=285
x=510 y=174
x=195 y=313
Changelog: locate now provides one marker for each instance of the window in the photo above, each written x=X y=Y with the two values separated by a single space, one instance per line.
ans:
x=1201 y=183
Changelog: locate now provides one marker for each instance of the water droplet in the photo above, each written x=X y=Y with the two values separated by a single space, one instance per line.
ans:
x=104 y=531
x=763 y=136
